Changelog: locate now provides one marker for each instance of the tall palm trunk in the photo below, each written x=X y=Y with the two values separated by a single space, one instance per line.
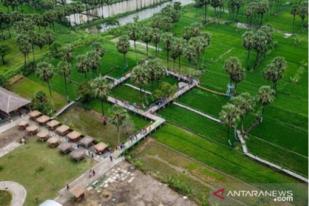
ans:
x=102 y=106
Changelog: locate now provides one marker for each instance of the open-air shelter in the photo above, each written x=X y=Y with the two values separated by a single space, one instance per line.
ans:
x=42 y=119
x=100 y=147
x=34 y=114
x=86 y=141
x=74 y=136
x=65 y=147
x=78 y=154
x=63 y=130
x=43 y=135
x=78 y=193
x=53 y=142
x=32 y=129
x=52 y=124
x=23 y=124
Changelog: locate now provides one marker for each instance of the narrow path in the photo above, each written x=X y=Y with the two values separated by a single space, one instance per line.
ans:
x=197 y=112
x=8 y=148
x=63 y=109
x=17 y=191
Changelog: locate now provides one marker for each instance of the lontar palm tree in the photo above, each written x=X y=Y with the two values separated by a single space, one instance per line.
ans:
x=83 y=65
x=245 y=104
x=119 y=117
x=146 y=36
x=45 y=72
x=274 y=71
x=101 y=88
x=65 y=69
x=140 y=76
x=248 y=44
x=229 y=115
x=236 y=72
x=265 y=97
x=123 y=46
x=167 y=39
x=134 y=34
x=176 y=51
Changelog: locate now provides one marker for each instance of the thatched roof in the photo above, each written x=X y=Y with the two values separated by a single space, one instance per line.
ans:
x=77 y=191
x=78 y=154
x=23 y=123
x=53 y=123
x=32 y=128
x=73 y=136
x=43 y=135
x=53 y=141
x=10 y=102
x=63 y=129
x=34 y=114
x=43 y=119
x=100 y=147
x=65 y=147
x=86 y=141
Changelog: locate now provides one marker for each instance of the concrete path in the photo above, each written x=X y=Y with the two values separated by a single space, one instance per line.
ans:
x=198 y=112
x=8 y=148
x=17 y=191
x=63 y=109
x=84 y=180
x=12 y=123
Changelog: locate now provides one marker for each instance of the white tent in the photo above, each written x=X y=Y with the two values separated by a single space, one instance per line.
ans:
x=50 y=203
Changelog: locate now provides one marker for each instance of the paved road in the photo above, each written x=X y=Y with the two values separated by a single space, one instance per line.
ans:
x=18 y=192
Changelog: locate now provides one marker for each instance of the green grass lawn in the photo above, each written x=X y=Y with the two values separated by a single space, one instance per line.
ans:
x=5 y=198
x=41 y=170
x=27 y=88
x=89 y=122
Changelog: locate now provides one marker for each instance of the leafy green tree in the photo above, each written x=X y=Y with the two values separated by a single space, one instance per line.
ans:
x=248 y=44
x=156 y=38
x=24 y=46
x=45 y=72
x=101 y=89
x=167 y=39
x=134 y=33
x=234 y=7
x=140 y=76
x=265 y=96
x=165 y=91
x=235 y=70
x=177 y=50
x=123 y=46
x=303 y=13
x=163 y=23
x=4 y=50
x=146 y=36
x=294 y=12
x=193 y=30
x=40 y=102
x=119 y=117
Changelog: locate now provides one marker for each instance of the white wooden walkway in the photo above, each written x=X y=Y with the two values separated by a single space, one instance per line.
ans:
x=63 y=109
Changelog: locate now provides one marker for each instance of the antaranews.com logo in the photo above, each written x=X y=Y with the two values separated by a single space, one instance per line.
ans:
x=275 y=195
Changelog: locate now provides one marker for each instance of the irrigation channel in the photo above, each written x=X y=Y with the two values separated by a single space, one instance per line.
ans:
x=144 y=9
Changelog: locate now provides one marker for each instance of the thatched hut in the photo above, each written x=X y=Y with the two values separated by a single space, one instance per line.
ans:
x=53 y=142
x=63 y=130
x=34 y=114
x=65 y=147
x=42 y=119
x=78 y=154
x=32 y=129
x=23 y=124
x=74 y=136
x=100 y=148
x=86 y=141
x=43 y=136
x=53 y=124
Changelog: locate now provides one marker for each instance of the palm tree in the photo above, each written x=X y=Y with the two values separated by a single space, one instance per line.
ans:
x=101 y=88
x=123 y=46
x=65 y=69
x=93 y=60
x=146 y=36
x=140 y=77
x=156 y=38
x=294 y=12
x=205 y=4
x=274 y=71
x=167 y=39
x=229 y=115
x=24 y=46
x=236 y=72
x=119 y=118
x=134 y=34
x=245 y=104
x=67 y=54
x=177 y=50
x=248 y=44
x=82 y=65
x=265 y=96
x=45 y=72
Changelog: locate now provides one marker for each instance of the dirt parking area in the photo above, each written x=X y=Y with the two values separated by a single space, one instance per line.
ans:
x=126 y=186
x=11 y=135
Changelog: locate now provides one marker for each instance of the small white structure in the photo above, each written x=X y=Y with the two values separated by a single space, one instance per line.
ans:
x=50 y=203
